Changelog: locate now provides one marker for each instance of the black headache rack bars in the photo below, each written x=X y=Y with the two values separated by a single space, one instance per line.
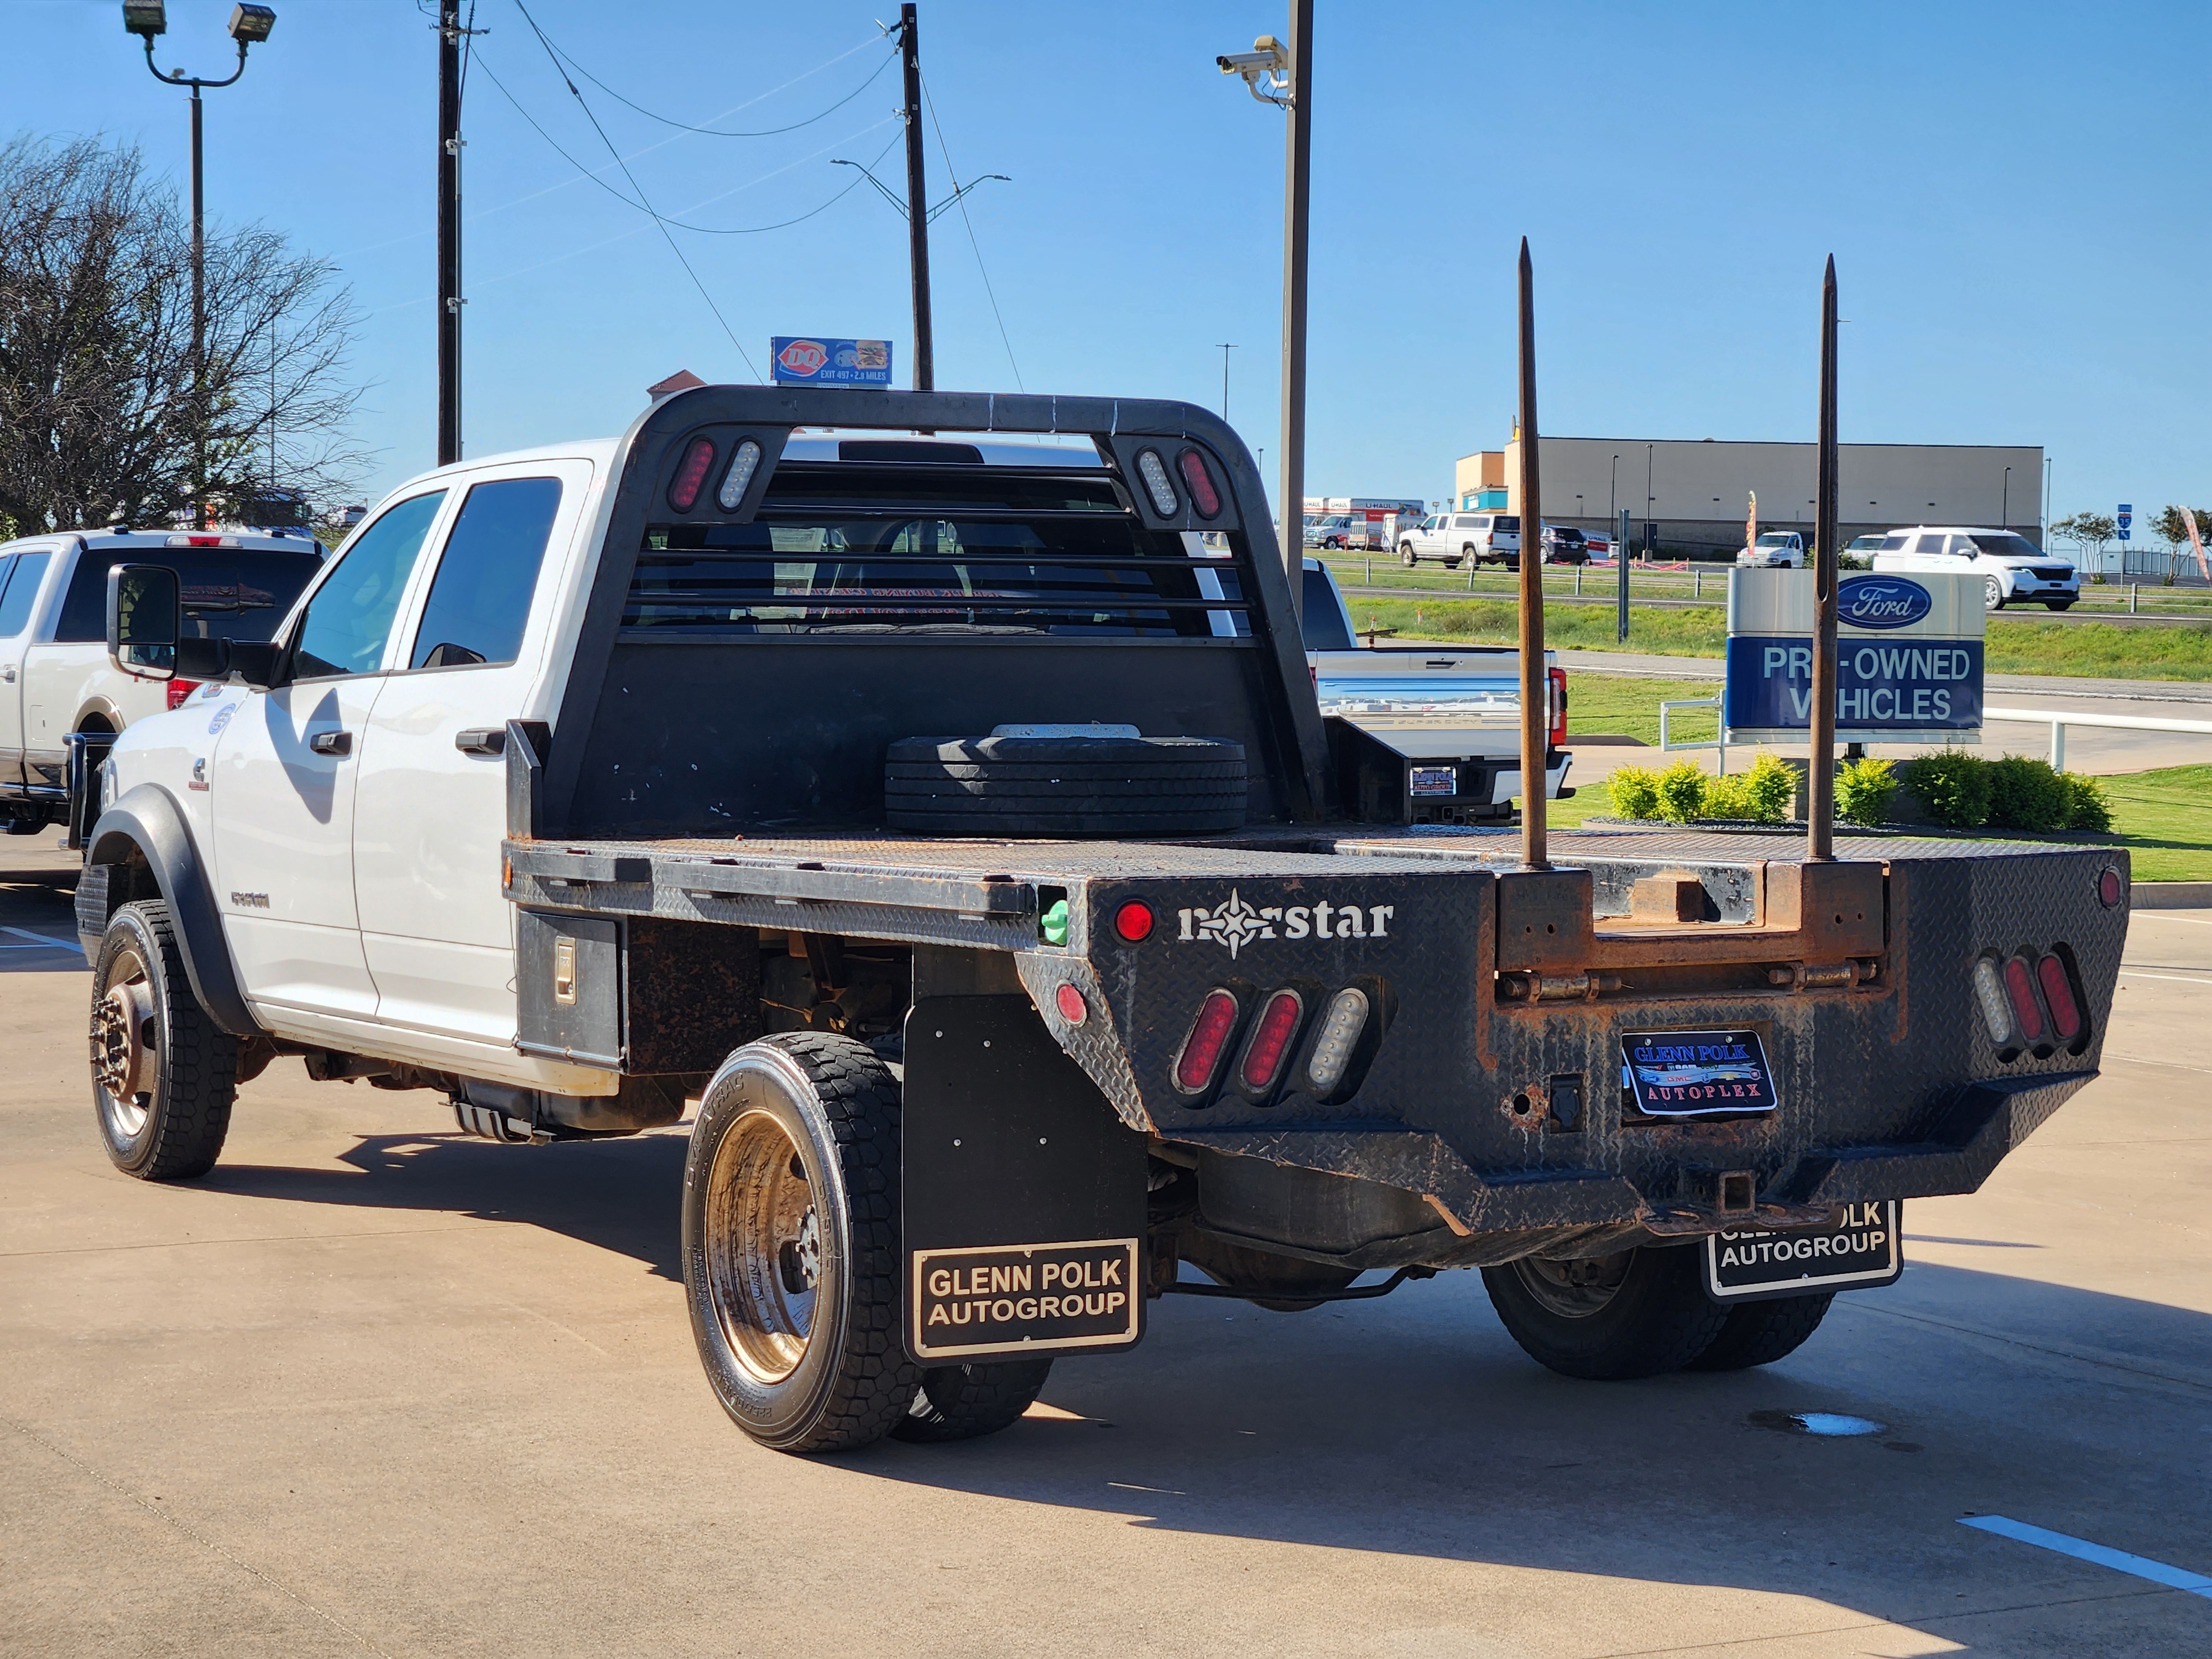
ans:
x=696 y=520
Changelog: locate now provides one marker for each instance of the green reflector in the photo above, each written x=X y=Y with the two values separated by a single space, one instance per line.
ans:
x=1052 y=925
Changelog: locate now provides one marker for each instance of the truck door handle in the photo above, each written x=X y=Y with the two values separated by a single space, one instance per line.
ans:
x=8 y=673
x=482 y=740
x=332 y=742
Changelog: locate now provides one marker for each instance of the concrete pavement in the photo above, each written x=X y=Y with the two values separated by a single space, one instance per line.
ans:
x=373 y=1386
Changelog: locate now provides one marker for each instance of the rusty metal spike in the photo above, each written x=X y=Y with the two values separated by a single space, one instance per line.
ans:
x=1821 y=774
x=1535 y=683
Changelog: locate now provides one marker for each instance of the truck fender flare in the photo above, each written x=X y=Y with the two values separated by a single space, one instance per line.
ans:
x=148 y=822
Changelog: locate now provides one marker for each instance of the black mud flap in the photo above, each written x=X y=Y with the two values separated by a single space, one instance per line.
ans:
x=1025 y=1193
x=1858 y=1250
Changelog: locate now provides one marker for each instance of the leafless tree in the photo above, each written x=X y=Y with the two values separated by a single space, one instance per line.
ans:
x=102 y=418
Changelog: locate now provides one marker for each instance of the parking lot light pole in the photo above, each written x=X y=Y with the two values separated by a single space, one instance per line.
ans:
x=1284 y=79
x=146 y=19
x=2004 y=507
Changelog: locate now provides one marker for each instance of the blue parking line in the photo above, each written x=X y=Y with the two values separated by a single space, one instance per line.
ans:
x=2119 y=1560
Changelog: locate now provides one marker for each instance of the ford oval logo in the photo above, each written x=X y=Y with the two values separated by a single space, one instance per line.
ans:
x=1882 y=602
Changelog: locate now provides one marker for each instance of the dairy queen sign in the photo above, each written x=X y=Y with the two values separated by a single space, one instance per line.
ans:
x=1908 y=658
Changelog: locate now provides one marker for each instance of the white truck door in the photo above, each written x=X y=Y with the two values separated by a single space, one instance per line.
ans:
x=438 y=932
x=283 y=776
x=20 y=580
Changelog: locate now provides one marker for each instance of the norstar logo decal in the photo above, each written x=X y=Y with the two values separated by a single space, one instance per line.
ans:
x=1882 y=602
x=1236 y=924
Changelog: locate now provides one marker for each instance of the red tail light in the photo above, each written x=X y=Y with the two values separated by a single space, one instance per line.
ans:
x=1558 y=676
x=1271 y=1039
x=2058 y=994
x=2019 y=991
x=1133 y=922
x=691 y=477
x=1209 y=1035
x=1199 y=481
x=179 y=689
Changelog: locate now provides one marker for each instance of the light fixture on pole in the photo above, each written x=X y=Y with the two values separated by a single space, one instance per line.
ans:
x=248 y=24
x=1284 y=77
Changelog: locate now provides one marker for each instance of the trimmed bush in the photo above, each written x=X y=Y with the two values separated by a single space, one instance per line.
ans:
x=1954 y=785
x=2028 y=795
x=1725 y=799
x=2087 y=807
x=1769 y=788
x=1681 y=792
x=1634 y=791
x=1863 y=789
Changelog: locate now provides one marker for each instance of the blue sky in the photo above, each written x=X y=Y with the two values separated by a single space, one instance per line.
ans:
x=2016 y=200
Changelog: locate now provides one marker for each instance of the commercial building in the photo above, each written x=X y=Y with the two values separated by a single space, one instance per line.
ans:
x=1696 y=492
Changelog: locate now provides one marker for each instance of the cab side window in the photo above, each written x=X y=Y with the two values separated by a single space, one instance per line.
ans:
x=18 y=591
x=348 y=620
x=480 y=598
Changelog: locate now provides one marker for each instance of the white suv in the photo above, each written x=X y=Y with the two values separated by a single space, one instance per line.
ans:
x=1485 y=538
x=55 y=675
x=2011 y=565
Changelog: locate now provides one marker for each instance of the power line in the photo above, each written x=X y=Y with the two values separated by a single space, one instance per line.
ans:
x=961 y=197
x=718 y=132
x=591 y=175
x=666 y=235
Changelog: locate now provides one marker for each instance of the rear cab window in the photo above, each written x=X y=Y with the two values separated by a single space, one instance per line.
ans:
x=223 y=592
x=480 y=598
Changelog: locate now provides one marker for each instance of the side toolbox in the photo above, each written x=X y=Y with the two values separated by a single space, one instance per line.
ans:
x=637 y=994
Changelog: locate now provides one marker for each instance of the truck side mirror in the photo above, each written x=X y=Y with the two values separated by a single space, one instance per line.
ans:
x=142 y=616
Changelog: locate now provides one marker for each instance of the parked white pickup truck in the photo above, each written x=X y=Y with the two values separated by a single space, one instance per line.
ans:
x=55 y=677
x=1450 y=713
x=1484 y=537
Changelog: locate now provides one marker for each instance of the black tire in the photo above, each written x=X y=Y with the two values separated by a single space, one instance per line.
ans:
x=1641 y=1312
x=1064 y=786
x=1406 y=556
x=790 y=1243
x=966 y=1402
x=1760 y=1333
x=163 y=1075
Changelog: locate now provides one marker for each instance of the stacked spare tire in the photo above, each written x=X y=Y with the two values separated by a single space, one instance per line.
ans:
x=1061 y=786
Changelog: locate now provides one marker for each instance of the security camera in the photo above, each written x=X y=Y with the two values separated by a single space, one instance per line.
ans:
x=1266 y=58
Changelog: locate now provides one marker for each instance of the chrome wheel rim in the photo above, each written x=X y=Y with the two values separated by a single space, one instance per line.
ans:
x=125 y=1046
x=763 y=1247
x=1574 y=1290
x=1995 y=592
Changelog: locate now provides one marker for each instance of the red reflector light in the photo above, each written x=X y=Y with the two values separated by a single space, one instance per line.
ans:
x=2059 y=992
x=691 y=477
x=1072 y=1008
x=1271 y=1039
x=1203 y=496
x=2108 y=887
x=1209 y=1034
x=1559 y=678
x=2019 y=991
x=203 y=541
x=1133 y=922
x=179 y=689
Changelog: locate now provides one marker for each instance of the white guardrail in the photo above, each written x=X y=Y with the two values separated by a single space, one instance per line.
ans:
x=2058 y=719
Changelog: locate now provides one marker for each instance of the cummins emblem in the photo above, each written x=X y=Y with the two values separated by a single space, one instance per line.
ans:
x=1236 y=924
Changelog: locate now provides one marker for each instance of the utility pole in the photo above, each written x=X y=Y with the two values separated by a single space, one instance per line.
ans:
x=1298 y=173
x=1227 y=346
x=917 y=206
x=1820 y=775
x=449 y=232
x=1536 y=676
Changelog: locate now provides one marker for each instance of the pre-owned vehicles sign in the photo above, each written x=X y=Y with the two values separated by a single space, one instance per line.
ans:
x=1908 y=657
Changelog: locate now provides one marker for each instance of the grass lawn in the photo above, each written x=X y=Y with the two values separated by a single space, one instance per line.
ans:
x=2165 y=818
x=2091 y=650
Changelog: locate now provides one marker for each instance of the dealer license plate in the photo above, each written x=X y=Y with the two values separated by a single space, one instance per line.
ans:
x=1706 y=1074
x=1024 y=1298
x=1436 y=780
x=1860 y=1248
